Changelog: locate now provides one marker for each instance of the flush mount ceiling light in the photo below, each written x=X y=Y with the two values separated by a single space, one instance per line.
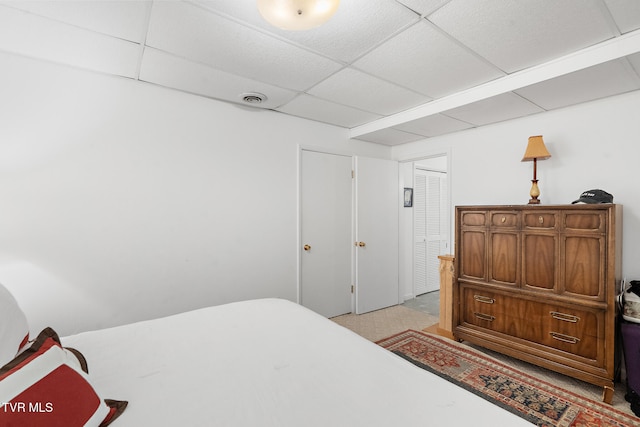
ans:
x=297 y=15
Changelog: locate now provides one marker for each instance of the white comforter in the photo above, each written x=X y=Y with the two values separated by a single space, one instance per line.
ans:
x=268 y=363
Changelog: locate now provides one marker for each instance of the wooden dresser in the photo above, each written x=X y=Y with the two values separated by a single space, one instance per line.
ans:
x=538 y=283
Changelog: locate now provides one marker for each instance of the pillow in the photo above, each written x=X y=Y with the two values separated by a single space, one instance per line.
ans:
x=45 y=385
x=14 y=330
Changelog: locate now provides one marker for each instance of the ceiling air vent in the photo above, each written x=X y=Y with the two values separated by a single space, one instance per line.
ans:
x=253 y=98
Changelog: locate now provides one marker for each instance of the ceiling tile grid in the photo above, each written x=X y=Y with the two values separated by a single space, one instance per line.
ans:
x=360 y=90
x=610 y=78
x=198 y=35
x=34 y=36
x=167 y=70
x=391 y=136
x=495 y=109
x=117 y=18
x=525 y=33
x=424 y=7
x=437 y=124
x=634 y=60
x=428 y=62
x=626 y=14
x=318 y=109
x=375 y=64
x=357 y=27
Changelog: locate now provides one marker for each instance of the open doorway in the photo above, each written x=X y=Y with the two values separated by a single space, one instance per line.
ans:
x=430 y=226
x=425 y=228
x=430 y=223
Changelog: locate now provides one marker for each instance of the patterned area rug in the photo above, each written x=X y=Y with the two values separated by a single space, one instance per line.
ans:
x=541 y=403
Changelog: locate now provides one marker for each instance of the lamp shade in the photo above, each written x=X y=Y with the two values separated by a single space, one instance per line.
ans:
x=297 y=14
x=536 y=149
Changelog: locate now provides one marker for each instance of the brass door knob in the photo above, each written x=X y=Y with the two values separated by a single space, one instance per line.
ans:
x=362 y=244
x=307 y=248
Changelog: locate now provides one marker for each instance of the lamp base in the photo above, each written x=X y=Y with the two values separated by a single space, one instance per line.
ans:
x=534 y=193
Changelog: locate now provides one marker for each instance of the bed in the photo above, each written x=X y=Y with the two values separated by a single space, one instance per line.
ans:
x=267 y=362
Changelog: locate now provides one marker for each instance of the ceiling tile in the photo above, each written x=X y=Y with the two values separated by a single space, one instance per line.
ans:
x=355 y=28
x=626 y=13
x=635 y=62
x=198 y=35
x=357 y=89
x=328 y=112
x=435 y=125
x=167 y=70
x=495 y=109
x=428 y=62
x=390 y=136
x=523 y=33
x=122 y=19
x=35 y=36
x=610 y=78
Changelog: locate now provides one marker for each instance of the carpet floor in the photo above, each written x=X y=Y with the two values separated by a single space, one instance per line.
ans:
x=542 y=403
x=382 y=323
x=390 y=321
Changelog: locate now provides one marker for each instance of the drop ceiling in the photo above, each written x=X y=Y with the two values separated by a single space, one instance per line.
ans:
x=390 y=72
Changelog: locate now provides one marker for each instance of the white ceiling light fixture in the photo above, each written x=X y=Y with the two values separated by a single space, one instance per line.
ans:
x=297 y=15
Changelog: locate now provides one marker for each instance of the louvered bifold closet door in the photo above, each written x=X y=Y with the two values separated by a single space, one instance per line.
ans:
x=430 y=227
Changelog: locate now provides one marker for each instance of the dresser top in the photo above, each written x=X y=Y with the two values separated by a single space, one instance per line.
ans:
x=542 y=207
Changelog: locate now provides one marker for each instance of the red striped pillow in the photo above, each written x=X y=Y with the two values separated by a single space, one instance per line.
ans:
x=46 y=386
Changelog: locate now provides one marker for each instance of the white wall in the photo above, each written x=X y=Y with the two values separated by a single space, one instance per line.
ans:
x=438 y=164
x=593 y=145
x=405 y=249
x=124 y=201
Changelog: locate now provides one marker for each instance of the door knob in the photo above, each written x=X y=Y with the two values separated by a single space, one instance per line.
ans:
x=362 y=244
x=307 y=248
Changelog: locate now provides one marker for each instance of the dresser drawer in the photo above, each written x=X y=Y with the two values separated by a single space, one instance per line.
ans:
x=503 y=219
x=485 y=309
x=540 y=220
x=576 y=331
x=473 y=219
x=595 y=221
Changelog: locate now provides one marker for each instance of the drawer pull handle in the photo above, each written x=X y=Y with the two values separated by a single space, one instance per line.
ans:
x=484 y=299
x=541 y=220
x=564 y=317
x=483 y=316
x=564 y=338
x=504 y=219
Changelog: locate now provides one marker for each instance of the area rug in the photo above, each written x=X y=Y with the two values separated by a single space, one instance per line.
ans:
x=541 y=403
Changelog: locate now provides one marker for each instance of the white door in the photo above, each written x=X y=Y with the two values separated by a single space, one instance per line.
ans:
x=377 y=205
x=430 y=228
x=326 y=233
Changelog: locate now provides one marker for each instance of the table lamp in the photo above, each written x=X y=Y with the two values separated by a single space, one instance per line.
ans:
x=535 y=150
